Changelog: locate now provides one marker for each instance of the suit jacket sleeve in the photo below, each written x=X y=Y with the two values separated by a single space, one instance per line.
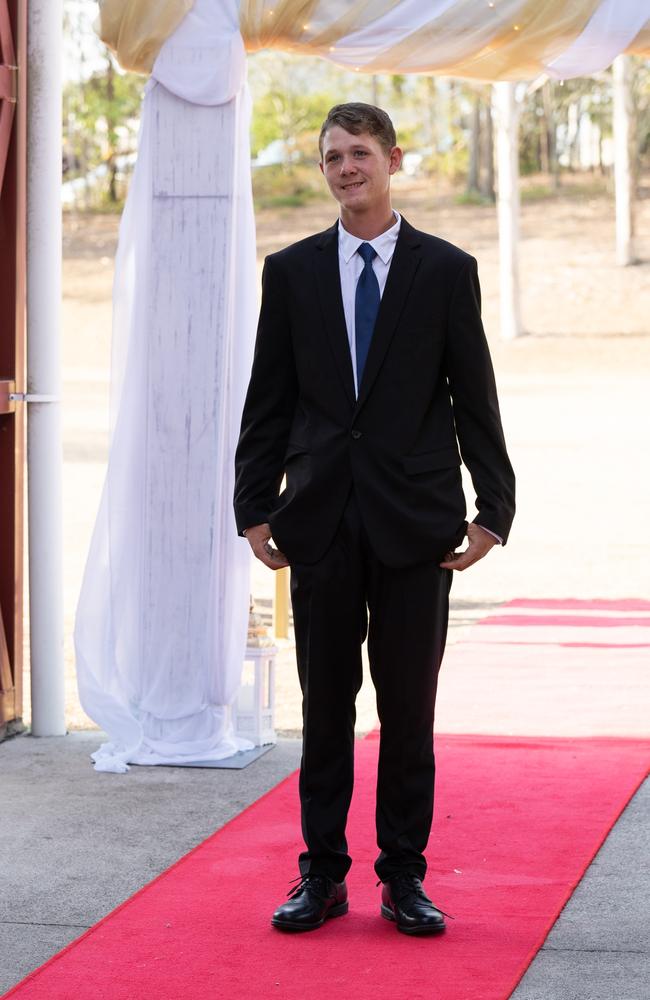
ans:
x=476 y=408
x=269 y=408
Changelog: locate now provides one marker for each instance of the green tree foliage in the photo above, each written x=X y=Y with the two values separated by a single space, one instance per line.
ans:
x=291 y=97
x=101 y=108
x=291 y=116
x=642 y=103
x=100 y=117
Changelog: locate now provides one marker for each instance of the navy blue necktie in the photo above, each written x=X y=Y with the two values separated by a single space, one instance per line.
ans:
x=366 y=306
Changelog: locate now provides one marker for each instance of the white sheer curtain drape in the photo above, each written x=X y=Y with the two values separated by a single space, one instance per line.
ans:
x=611 y=29
x=162 y=617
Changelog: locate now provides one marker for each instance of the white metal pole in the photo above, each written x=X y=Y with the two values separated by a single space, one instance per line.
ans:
x=623 y=172
x=44 y=448
x=507 y=144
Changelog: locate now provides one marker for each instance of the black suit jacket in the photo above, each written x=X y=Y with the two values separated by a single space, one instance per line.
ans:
x=427 y=390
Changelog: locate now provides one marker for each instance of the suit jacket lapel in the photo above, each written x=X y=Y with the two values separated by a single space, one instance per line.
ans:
x=398 y=283
x=329 y=289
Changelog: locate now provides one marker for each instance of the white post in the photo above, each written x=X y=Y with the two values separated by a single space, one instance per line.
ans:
x=623 y=172
x=505 y=111
x=44 y=449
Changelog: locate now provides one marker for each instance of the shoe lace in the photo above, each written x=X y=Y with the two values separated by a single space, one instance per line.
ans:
x=405 y=885
x=318 y=885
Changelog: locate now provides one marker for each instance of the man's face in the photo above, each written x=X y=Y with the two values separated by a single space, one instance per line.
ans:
x=357 y=168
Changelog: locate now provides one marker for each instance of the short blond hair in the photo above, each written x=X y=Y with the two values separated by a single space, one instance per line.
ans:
x=356 y=118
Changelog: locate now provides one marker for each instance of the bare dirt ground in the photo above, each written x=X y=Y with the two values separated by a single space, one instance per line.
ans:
x=574 y=395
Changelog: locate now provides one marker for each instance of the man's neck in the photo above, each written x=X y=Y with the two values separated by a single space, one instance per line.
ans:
x=367 y=227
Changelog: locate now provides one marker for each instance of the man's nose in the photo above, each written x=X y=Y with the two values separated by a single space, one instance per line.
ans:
x=348 y=166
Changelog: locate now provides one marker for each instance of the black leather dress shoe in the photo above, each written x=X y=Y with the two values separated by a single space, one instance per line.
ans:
x=404 y=901
x=311 y=903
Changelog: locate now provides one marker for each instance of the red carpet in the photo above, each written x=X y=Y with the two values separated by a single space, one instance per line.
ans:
x=517 y=821
x=581 y=603
x=546 y=620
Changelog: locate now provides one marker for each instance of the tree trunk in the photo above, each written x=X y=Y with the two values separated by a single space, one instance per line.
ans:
x=550 y=135
x=544 y=142
x=487 y=184
x=574 y=135
x=623 y=160
x=111 y=135
x=507 y=114
x=432 y=104
x=475 y=148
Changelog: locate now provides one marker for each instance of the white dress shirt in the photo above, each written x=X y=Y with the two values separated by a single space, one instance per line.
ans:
x=351 y=265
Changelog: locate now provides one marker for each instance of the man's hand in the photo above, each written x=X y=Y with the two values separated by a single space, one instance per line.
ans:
x=258 y=537
x=479 y=543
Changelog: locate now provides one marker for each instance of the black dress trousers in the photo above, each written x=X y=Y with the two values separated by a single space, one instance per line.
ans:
x=404 y=612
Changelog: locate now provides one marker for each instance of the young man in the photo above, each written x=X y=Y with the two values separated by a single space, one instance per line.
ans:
x=371 y=371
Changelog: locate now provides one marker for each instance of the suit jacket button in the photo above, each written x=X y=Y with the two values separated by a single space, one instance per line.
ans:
x=356 y=435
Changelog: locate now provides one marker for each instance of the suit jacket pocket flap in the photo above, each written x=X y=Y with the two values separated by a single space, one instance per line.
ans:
x=295 y=448
x=429 y=461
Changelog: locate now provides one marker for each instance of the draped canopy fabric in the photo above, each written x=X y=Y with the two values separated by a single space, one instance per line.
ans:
x=479 y=39
x=137 y=29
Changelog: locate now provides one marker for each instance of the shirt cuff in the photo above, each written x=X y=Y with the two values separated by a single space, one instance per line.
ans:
x=493 y=533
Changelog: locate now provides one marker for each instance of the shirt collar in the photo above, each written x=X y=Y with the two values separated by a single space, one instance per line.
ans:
x=384 y=244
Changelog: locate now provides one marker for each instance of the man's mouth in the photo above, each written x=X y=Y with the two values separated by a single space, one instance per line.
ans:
x=353 y=186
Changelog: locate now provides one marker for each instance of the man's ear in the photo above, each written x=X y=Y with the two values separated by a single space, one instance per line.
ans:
x=321 y=167
x=395 y=158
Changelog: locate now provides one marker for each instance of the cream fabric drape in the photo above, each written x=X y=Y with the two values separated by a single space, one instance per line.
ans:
x=479 y=39
x=503 y=39
x=161 y=624
x=137 y=29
